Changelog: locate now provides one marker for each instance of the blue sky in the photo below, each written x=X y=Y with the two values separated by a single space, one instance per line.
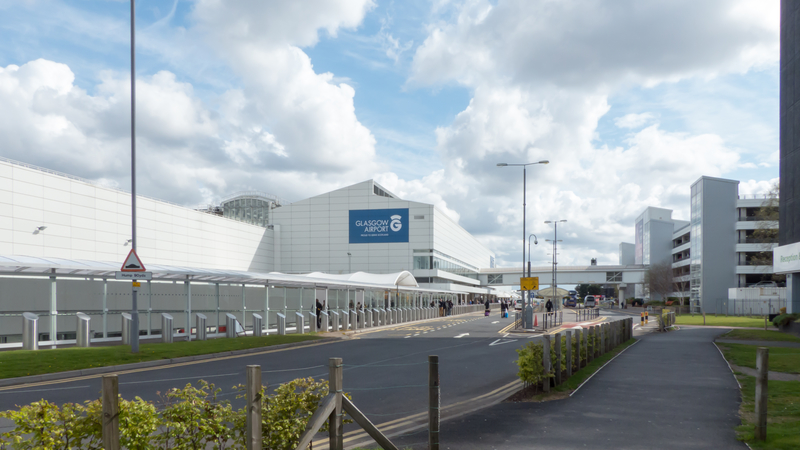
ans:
x=631 y=102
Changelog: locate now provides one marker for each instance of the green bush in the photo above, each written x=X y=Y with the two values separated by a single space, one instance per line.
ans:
x=784 y=319
x=190 y=418
x=531 y=370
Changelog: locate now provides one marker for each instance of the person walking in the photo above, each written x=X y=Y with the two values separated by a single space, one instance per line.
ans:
x=503 y=309
x=319 y=314
x=549 y=305
x=488 y=308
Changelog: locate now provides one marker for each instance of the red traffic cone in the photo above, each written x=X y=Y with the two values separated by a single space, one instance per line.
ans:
x=535 y=321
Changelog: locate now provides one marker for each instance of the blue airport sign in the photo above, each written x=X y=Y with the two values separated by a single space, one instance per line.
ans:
x=368 y=226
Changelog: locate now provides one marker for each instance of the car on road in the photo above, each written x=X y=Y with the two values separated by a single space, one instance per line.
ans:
x=570 y=302
x=589 y=301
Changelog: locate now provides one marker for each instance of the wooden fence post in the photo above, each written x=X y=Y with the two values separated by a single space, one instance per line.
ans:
x=568 y=356
x=558 y=358
x=110 y=412
x=762 y=395
x=335 y=426
x=434 y=402
x=546 y=362
x=253 y=411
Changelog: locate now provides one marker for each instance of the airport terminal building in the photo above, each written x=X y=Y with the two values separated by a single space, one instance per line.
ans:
x=62 y=238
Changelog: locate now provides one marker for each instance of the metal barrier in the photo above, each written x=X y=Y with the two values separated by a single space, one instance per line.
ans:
x=200 y=326
x=126 y=329
x=334 y=321
x=324 y=325
x=82 y=330
x=30 y=331
x=552 y=319
x=312 y=322
x=230 y=326
x=257 y=325
x=281 y=324
x=345 y=320
x=166 y=328
x=300 y=327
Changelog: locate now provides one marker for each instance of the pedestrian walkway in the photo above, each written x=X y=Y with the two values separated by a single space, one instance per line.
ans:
x=669 y=390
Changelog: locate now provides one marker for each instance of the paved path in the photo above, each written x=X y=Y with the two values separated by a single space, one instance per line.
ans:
x=668 y=391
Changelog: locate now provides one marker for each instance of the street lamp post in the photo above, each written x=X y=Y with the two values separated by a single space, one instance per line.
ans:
x=349 y=266
x=535 y=242
x=527 y=318
x=555 y=250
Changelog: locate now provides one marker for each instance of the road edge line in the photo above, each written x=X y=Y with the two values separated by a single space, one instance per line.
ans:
x=601 y=367
x=729 y=364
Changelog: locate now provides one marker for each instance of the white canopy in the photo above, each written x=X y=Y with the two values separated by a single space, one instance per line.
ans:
x=404 y=278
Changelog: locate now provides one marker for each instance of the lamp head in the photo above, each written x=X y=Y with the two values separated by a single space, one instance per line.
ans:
x=544 y=161
x=502 y=164
x=535 y=242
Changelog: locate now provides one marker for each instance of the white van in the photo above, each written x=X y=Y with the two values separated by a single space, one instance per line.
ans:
x=589 y=301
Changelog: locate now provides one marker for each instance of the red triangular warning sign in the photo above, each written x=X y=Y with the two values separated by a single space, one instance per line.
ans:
x=133 y=263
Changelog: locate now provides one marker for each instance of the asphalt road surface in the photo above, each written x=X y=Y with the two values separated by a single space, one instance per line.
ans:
x=385 y=370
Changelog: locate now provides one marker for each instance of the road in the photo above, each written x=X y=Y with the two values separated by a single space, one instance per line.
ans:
x=385 y=370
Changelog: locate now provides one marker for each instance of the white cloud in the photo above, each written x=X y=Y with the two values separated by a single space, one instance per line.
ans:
x=633 y=120
x=757 y=187
x=542 y=74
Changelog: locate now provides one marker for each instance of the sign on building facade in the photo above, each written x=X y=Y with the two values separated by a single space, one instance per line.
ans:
x=369 y=226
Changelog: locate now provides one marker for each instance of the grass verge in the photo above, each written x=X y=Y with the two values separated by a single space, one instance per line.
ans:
x=721 y=321
x=783 y=414
x=781 y=359
x=760 y=335
x=572 y=383
x=20 y=363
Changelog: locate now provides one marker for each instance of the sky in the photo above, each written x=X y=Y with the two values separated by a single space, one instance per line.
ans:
x=631 y=101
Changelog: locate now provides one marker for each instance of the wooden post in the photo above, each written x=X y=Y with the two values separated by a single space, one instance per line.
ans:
x=558 y=359
x=546 y=362
x=253 y=411
x=434 y=402
x=603 y=340
x=590 y=345
x=335 y=426
x=578 y=332
x=110 y=412
x=586 y=345
x=568 y=356
x=762 y=378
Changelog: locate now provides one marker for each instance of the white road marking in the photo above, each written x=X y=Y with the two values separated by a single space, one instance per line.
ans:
x=43 y=390
x=496 y=321
x=181 y=378
x=502 y=341
x=505 y=335
x=461 y=335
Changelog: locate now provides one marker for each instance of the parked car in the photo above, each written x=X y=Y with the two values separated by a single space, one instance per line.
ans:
x=589 y=301
x=764 y=284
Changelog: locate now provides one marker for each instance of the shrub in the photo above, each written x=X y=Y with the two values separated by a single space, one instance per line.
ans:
x=191 y=418
x=784 y=319
x=531 y=370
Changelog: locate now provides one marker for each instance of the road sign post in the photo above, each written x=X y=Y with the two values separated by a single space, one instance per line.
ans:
x=528 y=284
x=133 y=269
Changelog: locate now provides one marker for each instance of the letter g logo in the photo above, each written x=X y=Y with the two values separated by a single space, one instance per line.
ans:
x=396 y=225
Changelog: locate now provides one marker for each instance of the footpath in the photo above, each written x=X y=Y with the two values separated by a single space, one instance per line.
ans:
x=669 y=390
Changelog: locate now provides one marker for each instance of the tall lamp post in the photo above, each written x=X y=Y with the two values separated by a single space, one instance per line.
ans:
x=527 y=317
x=555 y=251
x=349 y=266
x=134 y=337
x=535 y=242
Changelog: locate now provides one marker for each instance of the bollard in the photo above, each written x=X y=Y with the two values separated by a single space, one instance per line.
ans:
x=434 y=402
x=334 y=321
x=253 y=411
x=642 y=319
x=201 y=332
x=166 y=328
x=762 y=392
x=354 y=319
x=646 y=317
x=82 y=330
x=367 y=318
x=30 y=331
x=257 y=324
x=230 y=325
x=383 y=317
x=281 y=324
x=312 y=322
x=345 y=320
x=376 y=318
x=126 y=329
x=568 y=352
x=299 y=323
x=546 y=362
x=324 y=324
x=110 y=399
x=558 y=358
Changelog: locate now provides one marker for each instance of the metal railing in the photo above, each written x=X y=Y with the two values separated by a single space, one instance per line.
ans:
x=737 y=307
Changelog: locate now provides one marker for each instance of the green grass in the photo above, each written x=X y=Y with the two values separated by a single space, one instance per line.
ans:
x=760 y=335
x=783 y=414
x=721 y=321
x=780 y=359
x=19 y=363
x=580 y=376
